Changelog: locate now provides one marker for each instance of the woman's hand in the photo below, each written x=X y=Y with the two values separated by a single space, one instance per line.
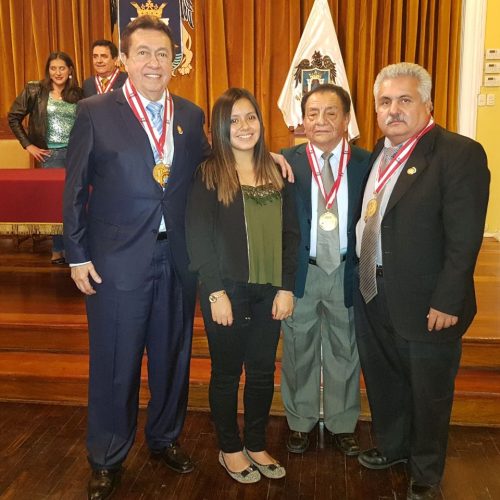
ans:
x=286 y=169
x=38 y=153
x=222 y=312
x=282 y=305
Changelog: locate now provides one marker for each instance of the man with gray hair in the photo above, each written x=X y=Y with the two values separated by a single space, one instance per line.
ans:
x=418 y=237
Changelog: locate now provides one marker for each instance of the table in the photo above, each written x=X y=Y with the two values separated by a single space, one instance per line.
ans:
x=31 y=201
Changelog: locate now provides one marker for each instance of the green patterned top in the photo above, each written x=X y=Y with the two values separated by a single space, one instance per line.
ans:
x=60 y=119
x=263 y=219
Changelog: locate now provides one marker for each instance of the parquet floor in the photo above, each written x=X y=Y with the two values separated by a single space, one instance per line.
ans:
x=42 y=456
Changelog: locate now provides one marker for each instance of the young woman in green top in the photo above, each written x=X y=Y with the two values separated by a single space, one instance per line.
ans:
x=242 y=239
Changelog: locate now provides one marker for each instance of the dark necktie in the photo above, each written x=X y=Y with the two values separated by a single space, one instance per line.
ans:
x=369 y=240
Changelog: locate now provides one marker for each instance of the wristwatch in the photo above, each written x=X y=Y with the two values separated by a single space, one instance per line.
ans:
x=216 y=295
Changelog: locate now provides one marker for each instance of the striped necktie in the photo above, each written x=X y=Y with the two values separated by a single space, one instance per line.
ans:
x=369 y=240
x=155 y=111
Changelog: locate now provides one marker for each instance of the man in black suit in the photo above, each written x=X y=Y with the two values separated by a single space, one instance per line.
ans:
x=131 y=157
x=420 y=231
x=319 y=340
x=108 y=76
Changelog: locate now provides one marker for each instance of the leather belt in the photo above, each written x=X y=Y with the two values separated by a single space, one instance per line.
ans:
x=313 y=262
x=379 y=271
x=161 y=236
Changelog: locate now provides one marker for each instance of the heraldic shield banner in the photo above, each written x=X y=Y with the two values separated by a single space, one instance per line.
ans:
x=317 y=60
x=175 y=14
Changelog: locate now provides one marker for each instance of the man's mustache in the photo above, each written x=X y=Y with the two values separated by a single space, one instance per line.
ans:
x=395 y=118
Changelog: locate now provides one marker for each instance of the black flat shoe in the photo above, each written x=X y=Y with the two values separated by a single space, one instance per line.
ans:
x=298 y=442
x=373 y=459
x=418 y=491
x=347 y=443
x=103 y=483
x=175 y=458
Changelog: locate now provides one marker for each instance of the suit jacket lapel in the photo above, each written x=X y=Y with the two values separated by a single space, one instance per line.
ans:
x=180 y=126
x=416 y=164
x=135 y=131
x=304 y=177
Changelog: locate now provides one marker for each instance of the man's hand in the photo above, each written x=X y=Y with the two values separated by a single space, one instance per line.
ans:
x=282 y=305
x=80 y=275
x=38 y=153
x=222 y=311
x=286 y=169
x=437 y=320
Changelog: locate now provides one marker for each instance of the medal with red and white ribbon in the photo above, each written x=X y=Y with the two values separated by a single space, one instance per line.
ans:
x=328 y=221
x=101 y=89
x=384 y=177
x=161 y=171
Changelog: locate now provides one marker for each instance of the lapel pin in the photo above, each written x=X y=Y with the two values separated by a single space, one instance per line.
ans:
x=411 y=171
x=179 y=130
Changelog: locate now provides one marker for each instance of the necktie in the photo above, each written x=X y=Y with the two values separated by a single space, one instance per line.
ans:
x=155 y=111
x=327 y=246
x=104 y=82
x=369 y=240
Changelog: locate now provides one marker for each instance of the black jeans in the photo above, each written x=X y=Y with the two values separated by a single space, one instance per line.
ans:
x=251 y=341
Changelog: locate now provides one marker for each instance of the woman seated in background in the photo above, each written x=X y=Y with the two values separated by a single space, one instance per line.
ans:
x=242 y=239
x=50 y=105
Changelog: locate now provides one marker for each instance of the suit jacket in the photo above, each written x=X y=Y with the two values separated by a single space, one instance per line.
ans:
x=357 y=169
x=116 y=225
x=90 y=89
x=432 y=231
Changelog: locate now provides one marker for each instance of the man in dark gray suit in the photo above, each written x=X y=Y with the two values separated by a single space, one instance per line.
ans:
x=319 y=341
x=421 y=227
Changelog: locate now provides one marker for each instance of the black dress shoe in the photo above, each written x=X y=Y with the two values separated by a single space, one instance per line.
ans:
x=297 y=442
x=373 y=459
x=422 y=491
x=175 y=458
x=102 y=483
x=347 y=443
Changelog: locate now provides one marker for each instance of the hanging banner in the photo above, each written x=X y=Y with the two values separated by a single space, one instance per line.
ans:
x=317 y=60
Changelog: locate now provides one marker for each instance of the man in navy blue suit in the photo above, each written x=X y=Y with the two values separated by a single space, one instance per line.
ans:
x=319 y=341
x=108 y=76
x=131 y=157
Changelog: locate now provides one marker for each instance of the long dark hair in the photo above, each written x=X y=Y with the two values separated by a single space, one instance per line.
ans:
x=71 y=92
x=219 y=172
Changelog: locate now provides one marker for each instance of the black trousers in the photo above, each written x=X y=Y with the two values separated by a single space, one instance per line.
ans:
x=250 y=342
x=410 y=388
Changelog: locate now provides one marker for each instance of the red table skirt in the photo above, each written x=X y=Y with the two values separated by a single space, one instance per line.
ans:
x=31 y=201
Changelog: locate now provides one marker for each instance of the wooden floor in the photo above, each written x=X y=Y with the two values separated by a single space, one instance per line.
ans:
x=42 y=456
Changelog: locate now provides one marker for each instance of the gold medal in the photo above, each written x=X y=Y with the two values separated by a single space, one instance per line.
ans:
x=161 y=173
x=371 y=208
x=328 y=221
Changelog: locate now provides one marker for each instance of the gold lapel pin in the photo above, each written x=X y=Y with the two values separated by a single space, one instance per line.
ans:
x=179 y=130
x=411 y=171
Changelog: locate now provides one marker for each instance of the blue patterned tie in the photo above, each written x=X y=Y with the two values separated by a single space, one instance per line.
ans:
x=155 y=111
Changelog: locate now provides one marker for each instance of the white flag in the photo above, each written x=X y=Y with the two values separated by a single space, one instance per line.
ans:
x=317 y=60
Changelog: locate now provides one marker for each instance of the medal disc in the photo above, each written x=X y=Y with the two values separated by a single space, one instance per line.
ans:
x=328 y=221
x=371 y=207
x=161 y=173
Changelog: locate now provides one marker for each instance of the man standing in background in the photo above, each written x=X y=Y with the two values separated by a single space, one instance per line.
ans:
x=108 y=76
